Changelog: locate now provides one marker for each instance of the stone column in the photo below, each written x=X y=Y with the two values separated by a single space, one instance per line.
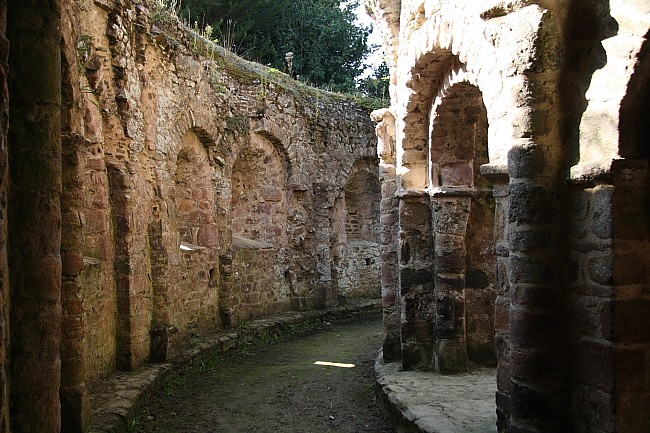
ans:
x=535 y=326
x=75 y=398
x=121 y=191
x=34 y=235
x=450 y=211
x=416 y=280
x=324 y=285
x=498 y=176
x=388 y=218
x=161 y=330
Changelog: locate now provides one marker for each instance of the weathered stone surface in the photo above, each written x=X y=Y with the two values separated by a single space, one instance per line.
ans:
x=569 y=255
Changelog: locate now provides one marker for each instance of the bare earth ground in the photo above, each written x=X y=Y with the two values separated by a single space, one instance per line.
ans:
x=277 y=388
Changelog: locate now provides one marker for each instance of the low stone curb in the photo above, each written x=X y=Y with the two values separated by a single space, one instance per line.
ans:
x=116 y=400
x=428 y=402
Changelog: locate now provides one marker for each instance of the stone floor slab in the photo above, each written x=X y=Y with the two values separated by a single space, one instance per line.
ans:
x=430 y=402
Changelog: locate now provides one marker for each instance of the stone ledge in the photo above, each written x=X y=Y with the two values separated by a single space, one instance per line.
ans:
x=116 y=400
x=429 y=402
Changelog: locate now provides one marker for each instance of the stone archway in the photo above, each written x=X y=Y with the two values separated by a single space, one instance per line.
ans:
x=463 y=230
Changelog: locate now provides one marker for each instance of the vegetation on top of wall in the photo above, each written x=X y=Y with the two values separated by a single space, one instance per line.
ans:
x=318 y=40
x=198 y=41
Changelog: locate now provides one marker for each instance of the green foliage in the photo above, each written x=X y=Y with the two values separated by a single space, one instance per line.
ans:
x=328 y=47
x=239 y=124
x=376 y=85
x=209 y=362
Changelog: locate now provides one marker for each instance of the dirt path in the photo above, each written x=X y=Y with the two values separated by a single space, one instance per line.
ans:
x=277 y=388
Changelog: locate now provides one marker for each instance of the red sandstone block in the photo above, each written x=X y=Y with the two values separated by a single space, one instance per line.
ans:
x=274 y=195
x=184 y=206
x=96 y=164
x=633 y=412
x=502 y=314
x=630 y=369
x=457 y=174
x=73 y=307
x=541 y=366
x=96 y=221
x=72 y=263
x=201 y=216
x=630 y=268
x=531 y=329
x=208 y=236
x=534 y=295
x=201 y=194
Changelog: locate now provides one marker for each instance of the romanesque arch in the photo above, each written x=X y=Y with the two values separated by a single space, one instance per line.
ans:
x=356 y=256
x=184 y=247
x=463 y=229
x=259 y=210
x=259 y=202
x=193 y=194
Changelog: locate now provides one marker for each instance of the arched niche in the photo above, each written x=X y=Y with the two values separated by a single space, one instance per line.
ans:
x=259 y=200
x=463 y=229
x=194 y=195
x=256 y=281
x=362 y=197
x=357 y=257
x=458 y=138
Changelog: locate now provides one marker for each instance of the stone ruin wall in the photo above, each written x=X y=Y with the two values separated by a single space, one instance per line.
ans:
x=199 y=191
x=561 y=163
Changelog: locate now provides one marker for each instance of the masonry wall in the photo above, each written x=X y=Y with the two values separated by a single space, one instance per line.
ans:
x=176 y=153
x=34 y=257
x=136 y=218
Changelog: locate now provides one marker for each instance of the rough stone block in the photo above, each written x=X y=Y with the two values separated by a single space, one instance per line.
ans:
x=529 y=239
x=529 y=403
x=502 y=314
x=536 y=365
x=410 y=278
x=504 y=379
x=592 y=410
x=525 y=161
x=531 y=329
x=531 y=203
x=450 y=215
x=529 y=270
x=414 y=214
x=601 y=219
x=534 y=295
x=594 y=364
x=457 y=174
x=600 y=269
x=451 y=356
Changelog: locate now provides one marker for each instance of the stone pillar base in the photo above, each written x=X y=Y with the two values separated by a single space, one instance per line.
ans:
x=451 y=357
x=75 y=408
x=165 y=342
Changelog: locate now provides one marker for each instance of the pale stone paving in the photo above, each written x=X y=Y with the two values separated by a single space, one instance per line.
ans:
x=431 y=402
